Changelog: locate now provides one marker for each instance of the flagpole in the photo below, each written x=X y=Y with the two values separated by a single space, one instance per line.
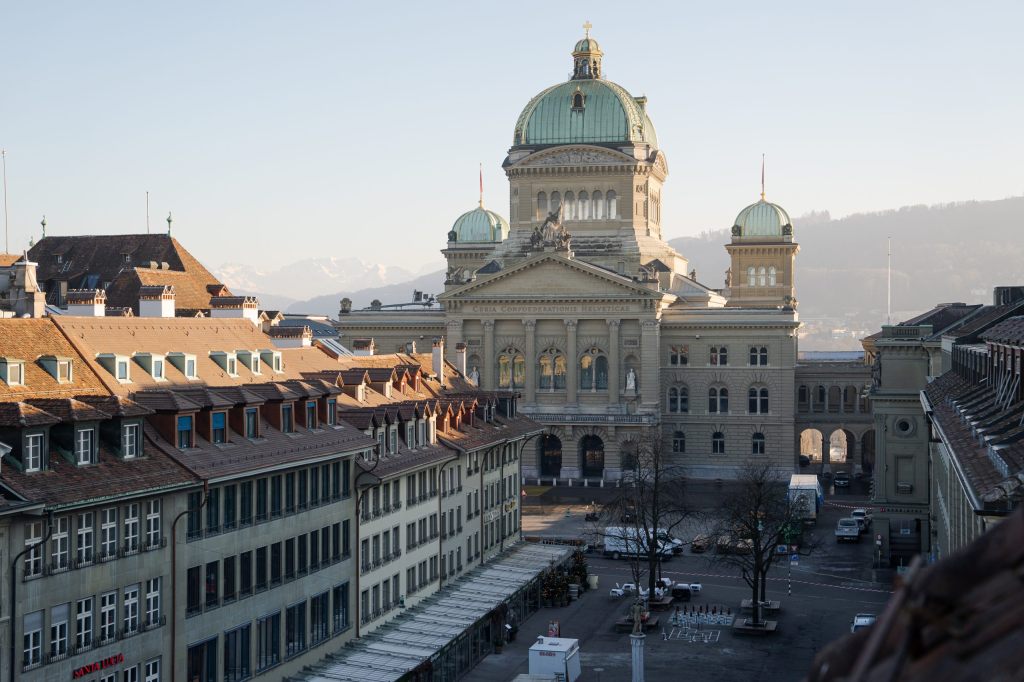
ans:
x=762 y=177
x=481 y=185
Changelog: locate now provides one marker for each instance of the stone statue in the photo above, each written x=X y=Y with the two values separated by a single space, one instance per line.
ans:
x=474 y=375
x=728 y=277
x=536 y=239
x=636 y=612
x=552 y=225
x=631 y=380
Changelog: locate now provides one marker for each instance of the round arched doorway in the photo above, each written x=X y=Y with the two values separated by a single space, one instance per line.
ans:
x=550 y=456
x=592 y=457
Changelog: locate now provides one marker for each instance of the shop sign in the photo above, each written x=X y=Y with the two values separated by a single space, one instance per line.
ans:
x=97 y=666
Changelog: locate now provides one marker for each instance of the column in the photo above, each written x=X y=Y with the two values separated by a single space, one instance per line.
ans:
x=530 y=351
x=650 y=343
x=488 y=374
x=826 y=452
x=613 y=361
x=453 y=337
x=572 y=366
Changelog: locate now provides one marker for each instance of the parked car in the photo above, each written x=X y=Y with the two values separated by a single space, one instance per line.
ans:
x=861 y=621
x=805 y=461
x=842 y=479
x=863 y=517
x=700 y=544
x=847 y=530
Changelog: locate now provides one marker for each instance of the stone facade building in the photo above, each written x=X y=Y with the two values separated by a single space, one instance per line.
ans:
x=578 y=303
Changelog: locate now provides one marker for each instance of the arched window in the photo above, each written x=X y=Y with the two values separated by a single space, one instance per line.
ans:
x=511 y=369
x=761 y=278
x=819 y=399
x=551 y=366
x=584 y=200
x=598 y=210
x=542 y=205
x=751 y=276
x=570 y=206
x=719 y=356
x=678 y=399
x=718 y=400
x=678 y=442
x=556 y=201
x=771 y=276
x=757 y=400
x=757 y=444
x=593 y=370
x=612 y=204
x=718 y=443
x=577 y=99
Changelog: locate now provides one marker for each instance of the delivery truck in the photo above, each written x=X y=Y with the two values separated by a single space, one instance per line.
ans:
x=627 y=541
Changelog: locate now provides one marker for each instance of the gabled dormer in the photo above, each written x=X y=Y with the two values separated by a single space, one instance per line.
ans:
x=153 y=363
x=119 y=366
x=12 y=371
x=60 y=368
x=272 y=359
x=26 y=429
x=250 y=359
x=184 y=363
x=226 y=360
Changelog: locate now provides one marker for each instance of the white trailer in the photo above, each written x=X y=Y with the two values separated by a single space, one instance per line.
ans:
x=627 y=541
x=806 y=496
x=555 y=656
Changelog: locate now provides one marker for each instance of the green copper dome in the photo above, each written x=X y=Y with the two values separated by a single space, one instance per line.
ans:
x=479 y=225
x=762 y=219
x=585 y=110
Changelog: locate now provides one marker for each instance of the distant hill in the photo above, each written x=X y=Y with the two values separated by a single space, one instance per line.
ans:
x=310 y=275
x=948 y=252
x=432 y=283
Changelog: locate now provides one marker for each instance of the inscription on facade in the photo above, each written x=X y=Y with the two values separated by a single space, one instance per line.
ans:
x=549 y=309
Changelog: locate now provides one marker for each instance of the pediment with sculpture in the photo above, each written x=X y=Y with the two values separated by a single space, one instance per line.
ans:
x=575 y=156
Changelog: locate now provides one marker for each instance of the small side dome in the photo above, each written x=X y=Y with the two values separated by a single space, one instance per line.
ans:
x=479 y=225
x=763 y=219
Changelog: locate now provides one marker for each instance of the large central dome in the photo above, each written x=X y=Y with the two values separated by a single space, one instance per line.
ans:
x=585 y=110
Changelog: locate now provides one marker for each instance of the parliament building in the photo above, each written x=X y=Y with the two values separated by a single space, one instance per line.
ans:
x=577 y=303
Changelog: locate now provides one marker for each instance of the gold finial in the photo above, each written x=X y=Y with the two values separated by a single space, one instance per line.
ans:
x=586 y=28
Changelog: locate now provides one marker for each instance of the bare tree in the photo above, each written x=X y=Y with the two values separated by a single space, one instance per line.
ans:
x=650 y=505
x=752 y=523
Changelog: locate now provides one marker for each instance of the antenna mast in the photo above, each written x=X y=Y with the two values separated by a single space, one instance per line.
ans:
x=888 y=286
x=147 y=211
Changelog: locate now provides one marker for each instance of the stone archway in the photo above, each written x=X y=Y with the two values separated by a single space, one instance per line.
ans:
x=810 y=444
x=841 y=444
x=592 y=457
x=550 y=455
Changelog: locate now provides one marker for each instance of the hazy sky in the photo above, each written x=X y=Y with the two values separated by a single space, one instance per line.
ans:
x=286 y=130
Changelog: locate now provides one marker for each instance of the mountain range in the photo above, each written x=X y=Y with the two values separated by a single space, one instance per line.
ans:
x=948 y=252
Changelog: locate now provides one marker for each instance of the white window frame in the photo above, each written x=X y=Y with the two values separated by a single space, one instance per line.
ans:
x=108 y=533
x=32 y=643
x=33 y=459
x=153 y=601
x=190 y=368
x=34 y=557
x=153 y=670
x=158 y=369
x=84 y=446
x=65 y=365
x=130 y=440
x=60 y=543
x=83 y=623
x=131 y=527
x=85 y=544
x=108 y=616
x=153 y=526
x=131 y=609
x=122 y=371
x=59 y=631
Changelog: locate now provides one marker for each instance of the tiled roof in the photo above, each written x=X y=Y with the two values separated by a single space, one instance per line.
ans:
x=273 y=391
x=93 y=261
x=9 y=259
x=984 y=318
x=16 y=414
x=166 y=401
x=116 y=406
x=961 y=618
x=233 y=301
x=69 y=409
x=389 y=465
x=64 y=483
x=1010 y=331
x=941 y=316
x=28 y=339
x=482 y=434
x=118 y=312
x=238 y=395
x=280 y=332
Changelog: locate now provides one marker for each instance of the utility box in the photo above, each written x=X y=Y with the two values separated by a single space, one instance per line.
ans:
x=557 y=656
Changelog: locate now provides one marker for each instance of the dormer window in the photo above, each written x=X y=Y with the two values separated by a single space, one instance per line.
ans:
x=577 y=100
x=421 y=428
x=272 y=359
x=158 y=369
x=332 y=411
x=64 y=374
x=117 y=365
x=184 y=432
x=59 y=258
x=288 y=418
x=130 y=442
x=126 y=258
x=153 y=364
x=122 y=370
x=227 y=361
x=311 y=415
x=252 y=422
x=85 y=445
x=32 y=456
x=233 y=366
x=250 y=360
x=185 y=363
x=12 y=371
x=218 y=424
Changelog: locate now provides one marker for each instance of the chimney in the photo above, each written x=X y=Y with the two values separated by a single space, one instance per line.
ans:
x=460 y=358
x=156 y=301
x=87 y=302
x=291 y=337
x=246 y=307
x=438 y=359
x=29 y=300
x=362 y=346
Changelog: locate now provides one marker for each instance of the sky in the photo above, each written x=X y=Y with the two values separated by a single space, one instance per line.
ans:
x=277 y=131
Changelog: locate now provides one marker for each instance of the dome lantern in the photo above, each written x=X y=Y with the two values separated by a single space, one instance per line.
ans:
x=586 y=56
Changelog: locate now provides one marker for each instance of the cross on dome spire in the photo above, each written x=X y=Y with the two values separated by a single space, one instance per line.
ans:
x=586 y=56
x=586 y=28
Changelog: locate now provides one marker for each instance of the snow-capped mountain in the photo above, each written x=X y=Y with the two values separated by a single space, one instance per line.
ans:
x=307 y=278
